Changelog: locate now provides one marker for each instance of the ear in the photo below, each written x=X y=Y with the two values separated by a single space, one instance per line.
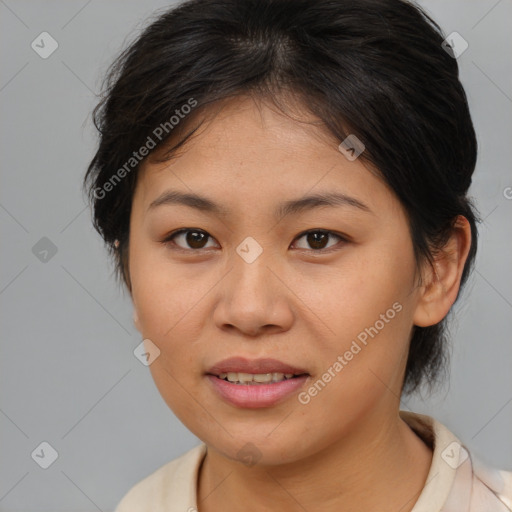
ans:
x=136 y=320
x=442 y=282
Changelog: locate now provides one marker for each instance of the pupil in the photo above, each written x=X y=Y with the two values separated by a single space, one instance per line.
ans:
x=314 y=240
x=192 y=239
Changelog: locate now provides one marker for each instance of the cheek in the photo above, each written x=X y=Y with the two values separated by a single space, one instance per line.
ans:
x=369 y=288
x=164 y=294
x=370 y=310
x=168 y=306
x=171 y=375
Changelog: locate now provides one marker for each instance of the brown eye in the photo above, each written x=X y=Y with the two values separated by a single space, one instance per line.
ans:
x=189 y=239
x=196 y=239
x=319 y=239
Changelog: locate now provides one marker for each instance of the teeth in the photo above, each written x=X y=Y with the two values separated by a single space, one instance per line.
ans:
x=252 y=378
x=262 y=377
x=244 y=377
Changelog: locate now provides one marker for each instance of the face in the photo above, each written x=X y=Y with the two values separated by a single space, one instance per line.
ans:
x=262 y=272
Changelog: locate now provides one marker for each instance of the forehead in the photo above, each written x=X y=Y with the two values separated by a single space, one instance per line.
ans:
x=246 y=149
x=235 y=126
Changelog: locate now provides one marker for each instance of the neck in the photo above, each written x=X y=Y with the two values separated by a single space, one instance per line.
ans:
x=381 y=462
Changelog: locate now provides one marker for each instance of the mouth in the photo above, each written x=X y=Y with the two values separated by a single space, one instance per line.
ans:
x=252 y=379
x=240 y=370
x=255 y=383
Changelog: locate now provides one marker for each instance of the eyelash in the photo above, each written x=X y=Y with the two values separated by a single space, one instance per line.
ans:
x=168 y=240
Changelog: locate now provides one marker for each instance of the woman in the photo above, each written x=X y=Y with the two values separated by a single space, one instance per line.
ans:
x=283 y=187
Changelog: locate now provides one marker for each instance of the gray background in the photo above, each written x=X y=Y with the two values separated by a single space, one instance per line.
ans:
x=69 y=376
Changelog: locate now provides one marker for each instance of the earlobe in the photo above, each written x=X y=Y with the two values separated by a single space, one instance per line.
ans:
x=442 y=283
x=136 y=320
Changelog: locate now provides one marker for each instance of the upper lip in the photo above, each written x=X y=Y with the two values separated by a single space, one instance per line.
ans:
x=243 y=365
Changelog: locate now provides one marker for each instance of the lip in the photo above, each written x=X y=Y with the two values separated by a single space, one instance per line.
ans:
x=265 y=365
x=259 y=395
x=256 y=396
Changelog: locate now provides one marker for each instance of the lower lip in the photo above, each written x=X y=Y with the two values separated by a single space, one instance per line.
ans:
x=256 y=395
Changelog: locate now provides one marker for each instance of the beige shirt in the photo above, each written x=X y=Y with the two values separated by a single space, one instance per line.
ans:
x=456 y=482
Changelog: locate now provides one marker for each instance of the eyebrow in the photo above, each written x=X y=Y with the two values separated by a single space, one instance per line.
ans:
x=293 y=206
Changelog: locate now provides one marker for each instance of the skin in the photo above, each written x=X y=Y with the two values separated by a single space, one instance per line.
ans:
x=295 y=303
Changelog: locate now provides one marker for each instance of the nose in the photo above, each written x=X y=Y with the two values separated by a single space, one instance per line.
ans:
x=253 y=299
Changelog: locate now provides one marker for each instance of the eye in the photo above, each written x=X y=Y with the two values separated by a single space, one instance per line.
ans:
x=318 y=239
x=194 y=238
